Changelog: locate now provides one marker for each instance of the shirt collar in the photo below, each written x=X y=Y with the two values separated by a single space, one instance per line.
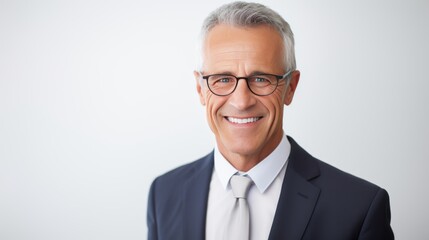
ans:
x=263 y=174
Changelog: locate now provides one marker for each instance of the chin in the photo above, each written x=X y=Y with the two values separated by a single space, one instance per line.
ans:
x=242 y=149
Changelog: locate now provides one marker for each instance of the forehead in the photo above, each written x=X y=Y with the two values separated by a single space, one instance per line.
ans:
x=233 y=48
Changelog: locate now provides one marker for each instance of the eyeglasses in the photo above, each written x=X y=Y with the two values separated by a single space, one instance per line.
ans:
x=258 y=84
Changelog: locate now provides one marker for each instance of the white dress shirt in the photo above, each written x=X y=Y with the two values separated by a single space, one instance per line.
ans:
x=262 y=197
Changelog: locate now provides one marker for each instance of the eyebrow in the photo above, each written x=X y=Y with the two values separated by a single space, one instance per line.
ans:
x=251 y=74
x=259 y=73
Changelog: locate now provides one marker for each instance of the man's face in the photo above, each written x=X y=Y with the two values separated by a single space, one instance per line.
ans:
x=247 y=127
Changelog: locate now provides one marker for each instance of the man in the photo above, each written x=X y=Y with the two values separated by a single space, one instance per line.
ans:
x=247 y=75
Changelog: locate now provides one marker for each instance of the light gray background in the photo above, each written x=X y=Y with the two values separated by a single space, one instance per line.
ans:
x=98 y=97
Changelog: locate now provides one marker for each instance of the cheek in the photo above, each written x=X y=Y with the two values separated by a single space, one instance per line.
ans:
x=213 y=104
x=275 y=105
x=280 y=95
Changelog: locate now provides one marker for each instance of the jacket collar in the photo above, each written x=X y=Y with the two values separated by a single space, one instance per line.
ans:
x=194 y=199
x=298 y=196
x=297 y=200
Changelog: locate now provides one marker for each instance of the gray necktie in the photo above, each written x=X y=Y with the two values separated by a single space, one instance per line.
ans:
x=238 y=225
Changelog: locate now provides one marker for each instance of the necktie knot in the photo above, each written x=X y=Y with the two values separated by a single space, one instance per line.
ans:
x=240 y=186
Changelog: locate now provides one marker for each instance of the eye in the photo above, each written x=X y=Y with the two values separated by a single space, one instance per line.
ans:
x=260 y=79
x=221 y=79
x=224 y=80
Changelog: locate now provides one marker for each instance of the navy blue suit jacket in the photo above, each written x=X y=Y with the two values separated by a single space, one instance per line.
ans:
x=317 y=202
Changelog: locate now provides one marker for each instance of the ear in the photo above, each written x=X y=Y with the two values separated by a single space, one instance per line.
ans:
x=292 y=87
x=197 y=76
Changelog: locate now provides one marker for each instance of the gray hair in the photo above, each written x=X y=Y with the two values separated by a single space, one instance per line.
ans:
x=243 y=14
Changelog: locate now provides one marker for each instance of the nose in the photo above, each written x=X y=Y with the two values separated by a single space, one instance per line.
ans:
x=242 y=98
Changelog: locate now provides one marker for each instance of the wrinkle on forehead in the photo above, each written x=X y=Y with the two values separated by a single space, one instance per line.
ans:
x=229 y=47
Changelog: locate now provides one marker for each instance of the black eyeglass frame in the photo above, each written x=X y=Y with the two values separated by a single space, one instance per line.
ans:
x=278 y=77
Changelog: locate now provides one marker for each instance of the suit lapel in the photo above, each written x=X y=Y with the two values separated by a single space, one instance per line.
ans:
x=195 y=200
x=297 y=200
x=298 y=196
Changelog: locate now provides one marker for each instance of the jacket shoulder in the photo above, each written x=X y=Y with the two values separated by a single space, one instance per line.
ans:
x=323 y=174
x=183 y=173
x=167 y=194
x=342 y=178
x=360 y=207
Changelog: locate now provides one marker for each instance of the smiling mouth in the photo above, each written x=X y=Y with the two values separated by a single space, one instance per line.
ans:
x=243 y=120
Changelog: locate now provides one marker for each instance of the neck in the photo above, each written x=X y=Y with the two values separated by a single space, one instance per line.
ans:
x=242 y=163
x=245 y=162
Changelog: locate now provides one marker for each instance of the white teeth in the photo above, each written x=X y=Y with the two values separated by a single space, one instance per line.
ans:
x=243 y=120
